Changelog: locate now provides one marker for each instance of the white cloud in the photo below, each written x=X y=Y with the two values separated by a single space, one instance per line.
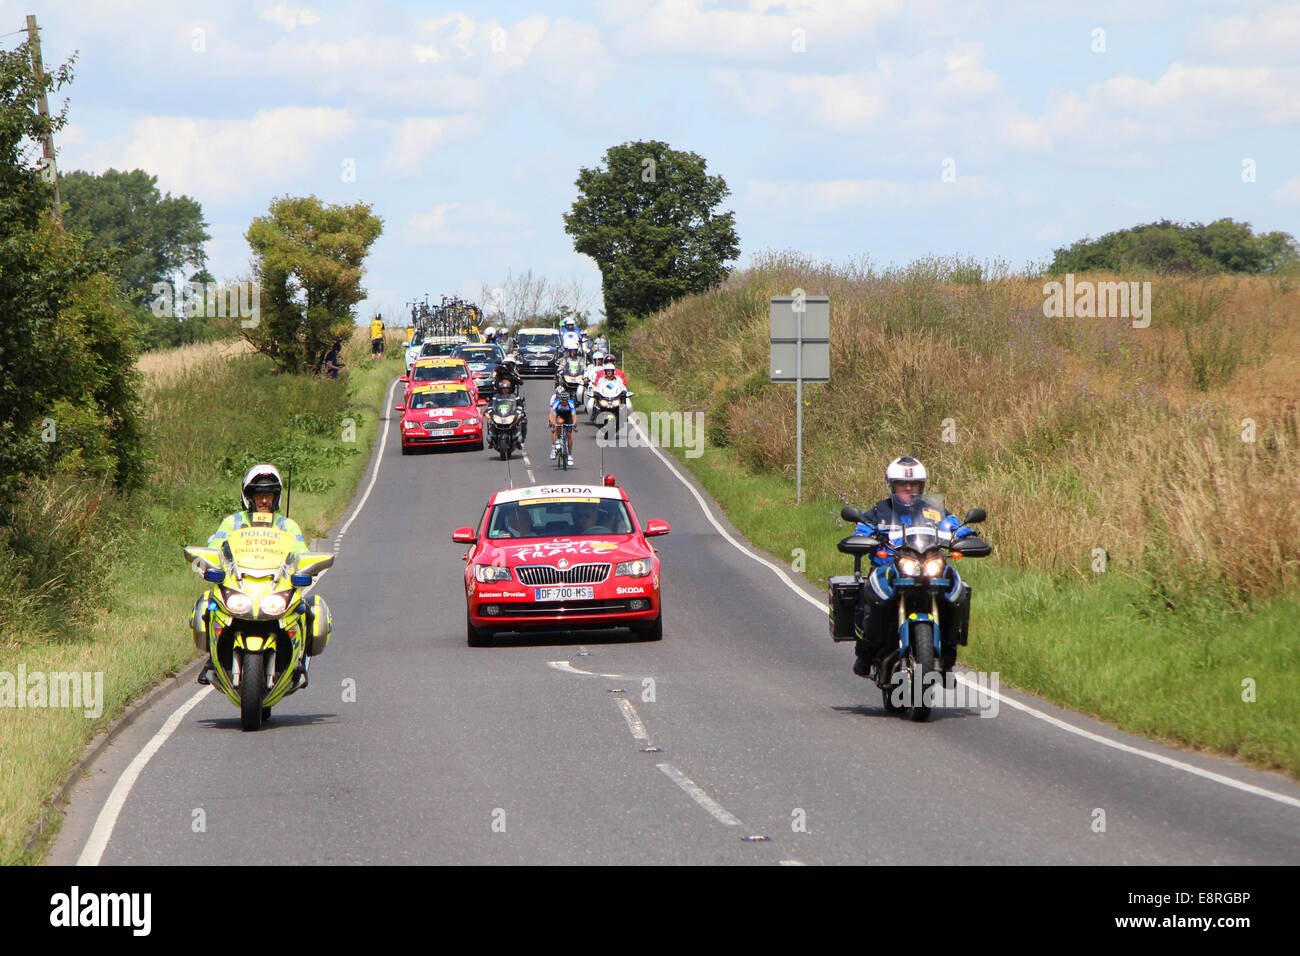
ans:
x=845 y=103
x=1288 y=192
x=223 y=159
x=466 y=224
x=760 y=34
x=1271 y=35
x=416 y=138
x=288 y=16
x=832 y=195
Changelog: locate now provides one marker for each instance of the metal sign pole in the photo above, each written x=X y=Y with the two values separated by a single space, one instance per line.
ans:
x=798 y=412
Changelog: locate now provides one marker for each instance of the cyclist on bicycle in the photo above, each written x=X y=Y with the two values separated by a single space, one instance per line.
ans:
x=562 y=415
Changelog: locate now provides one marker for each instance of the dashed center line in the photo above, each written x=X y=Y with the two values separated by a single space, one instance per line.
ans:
x=634 y=723
x=719 y=812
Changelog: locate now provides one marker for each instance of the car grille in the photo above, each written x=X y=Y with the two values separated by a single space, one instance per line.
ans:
x=578 y=574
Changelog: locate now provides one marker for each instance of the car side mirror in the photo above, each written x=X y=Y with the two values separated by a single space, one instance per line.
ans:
x=653 y=528
x=463 y=535
x=399 y=408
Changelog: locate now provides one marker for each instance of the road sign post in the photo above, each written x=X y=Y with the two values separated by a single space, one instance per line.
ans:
x=800 y=337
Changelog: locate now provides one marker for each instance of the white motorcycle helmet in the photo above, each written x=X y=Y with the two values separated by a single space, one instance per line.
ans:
x=262 y=478
x=905 y=469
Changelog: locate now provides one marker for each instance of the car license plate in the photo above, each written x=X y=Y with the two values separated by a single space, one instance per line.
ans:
x=566 y=594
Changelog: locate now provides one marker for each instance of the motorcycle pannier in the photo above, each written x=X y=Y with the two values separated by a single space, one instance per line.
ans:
x=842 y=600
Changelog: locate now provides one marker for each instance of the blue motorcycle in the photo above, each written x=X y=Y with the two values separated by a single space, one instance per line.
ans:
x=912 y=571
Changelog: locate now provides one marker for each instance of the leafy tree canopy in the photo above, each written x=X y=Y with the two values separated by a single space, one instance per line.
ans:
x=648 y=216
x=1221 y=246
x=307 y=260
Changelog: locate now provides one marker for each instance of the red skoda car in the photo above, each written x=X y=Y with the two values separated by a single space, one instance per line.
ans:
x=561 y=557
x=443 y=413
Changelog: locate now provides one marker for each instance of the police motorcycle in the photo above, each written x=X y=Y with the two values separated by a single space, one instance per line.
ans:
x=610 y=401
x=507 y=423
x=256 y=622
x=911 y=576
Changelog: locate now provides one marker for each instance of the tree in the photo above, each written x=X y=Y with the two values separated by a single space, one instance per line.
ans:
x=307 y=262
x=649 y=219
x=158 y=237
x=1223 y=246
x=68 y=392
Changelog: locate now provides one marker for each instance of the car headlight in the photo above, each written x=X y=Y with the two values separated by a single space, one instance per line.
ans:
x=238 y=602
x=910 y=567
x=410 y=426
x=933 y=568
x=491 y=572
x=273 y=604
x=633 y=569
x=470 y=422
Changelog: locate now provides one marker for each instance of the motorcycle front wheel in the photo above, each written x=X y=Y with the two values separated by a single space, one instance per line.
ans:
x=252 y=689
x=923 y=683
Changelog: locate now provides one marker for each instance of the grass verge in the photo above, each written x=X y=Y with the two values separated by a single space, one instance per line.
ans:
x=1207 y=676
x=208 y=421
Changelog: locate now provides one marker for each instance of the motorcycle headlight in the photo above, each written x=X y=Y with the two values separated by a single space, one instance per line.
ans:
x=238 y=602
x=491 y=572
x=633 y=569
x=273 y=604
x=506 y=419
x=909 y=566
x=933 y=568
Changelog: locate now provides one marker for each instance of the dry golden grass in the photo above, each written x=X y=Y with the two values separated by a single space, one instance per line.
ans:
x=1074 y=433
x=167 y=366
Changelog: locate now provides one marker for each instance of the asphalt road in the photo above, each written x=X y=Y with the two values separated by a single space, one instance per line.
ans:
x=593 y=747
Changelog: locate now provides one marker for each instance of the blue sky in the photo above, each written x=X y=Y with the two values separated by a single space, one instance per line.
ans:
x=830 y=121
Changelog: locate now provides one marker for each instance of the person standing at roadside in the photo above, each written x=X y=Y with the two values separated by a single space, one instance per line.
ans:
x=377 y=335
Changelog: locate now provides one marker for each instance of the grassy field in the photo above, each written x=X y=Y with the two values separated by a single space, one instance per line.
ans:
x=1146 y=566
x=121 y=609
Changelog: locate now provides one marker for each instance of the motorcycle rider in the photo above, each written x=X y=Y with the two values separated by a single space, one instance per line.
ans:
x=905 y=477
x=261 y=495
x=562 y=413
x=507 y=390
x=506 y=371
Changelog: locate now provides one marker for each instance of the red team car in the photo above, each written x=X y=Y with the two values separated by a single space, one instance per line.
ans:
x=561 y=557
x=441 y=413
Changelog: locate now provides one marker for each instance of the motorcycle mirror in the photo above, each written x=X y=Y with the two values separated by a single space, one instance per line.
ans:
x=852 y=514
x=975 y=516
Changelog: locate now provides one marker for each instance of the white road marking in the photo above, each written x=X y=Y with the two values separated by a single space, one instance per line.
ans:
x=634 y=722
x=791 y=863
x=1063 y=725
x=698 y=795
x=107 y=819
x=1126 y=748
x=568 y=668
x=388 y=400
x=780 y=571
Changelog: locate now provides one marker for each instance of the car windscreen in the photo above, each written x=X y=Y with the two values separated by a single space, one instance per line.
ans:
x=567 y=518
x=548 y=339
x=437 y=373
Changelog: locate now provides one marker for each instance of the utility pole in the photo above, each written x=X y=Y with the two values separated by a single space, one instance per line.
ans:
x=49 y=171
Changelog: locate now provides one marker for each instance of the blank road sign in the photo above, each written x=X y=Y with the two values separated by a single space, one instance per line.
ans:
x=816 y=317
x=816 y=362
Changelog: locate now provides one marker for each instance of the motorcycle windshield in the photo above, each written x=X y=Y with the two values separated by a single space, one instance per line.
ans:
x=260 y=549
x=918 y=523
x=506 y=407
